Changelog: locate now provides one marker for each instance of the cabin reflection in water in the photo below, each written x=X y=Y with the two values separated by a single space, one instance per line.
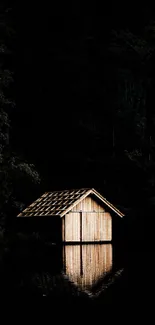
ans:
x=86 y=264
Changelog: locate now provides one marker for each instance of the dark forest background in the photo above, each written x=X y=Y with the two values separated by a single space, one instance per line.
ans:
x=77 y=106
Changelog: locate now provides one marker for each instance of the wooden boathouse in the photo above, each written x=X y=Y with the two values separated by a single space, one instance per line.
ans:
x=78 y=215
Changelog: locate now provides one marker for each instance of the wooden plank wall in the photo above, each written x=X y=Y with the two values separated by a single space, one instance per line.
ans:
x=96 y=223
x=86 y=264
x=72 y=227
x=88 y=204
x=96 y=226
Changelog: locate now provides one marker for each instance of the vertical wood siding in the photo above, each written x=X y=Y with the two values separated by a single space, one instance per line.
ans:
x=96 y=223
x=96 y=226
x=88 y=204
x=63 y=228
x=72 y=227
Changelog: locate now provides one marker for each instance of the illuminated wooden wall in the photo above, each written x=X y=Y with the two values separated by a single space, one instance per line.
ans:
x=87 y=222
x=86 y=264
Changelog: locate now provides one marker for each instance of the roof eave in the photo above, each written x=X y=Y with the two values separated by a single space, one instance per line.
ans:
x=93 y=191
x=107 y=203
x=37 y=216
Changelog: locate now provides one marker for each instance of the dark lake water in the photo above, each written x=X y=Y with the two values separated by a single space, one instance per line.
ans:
x=83 y=271
x=99 y=273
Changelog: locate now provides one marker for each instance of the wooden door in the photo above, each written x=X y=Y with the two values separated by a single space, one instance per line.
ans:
x=96 y=226
x=71 y=227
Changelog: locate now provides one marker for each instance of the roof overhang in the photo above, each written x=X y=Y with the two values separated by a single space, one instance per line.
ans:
x=99 y=196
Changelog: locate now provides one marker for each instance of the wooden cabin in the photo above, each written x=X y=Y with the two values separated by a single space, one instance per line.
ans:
x=81 y=215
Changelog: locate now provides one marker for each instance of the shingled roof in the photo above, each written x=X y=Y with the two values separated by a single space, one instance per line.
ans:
x=61 y=202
